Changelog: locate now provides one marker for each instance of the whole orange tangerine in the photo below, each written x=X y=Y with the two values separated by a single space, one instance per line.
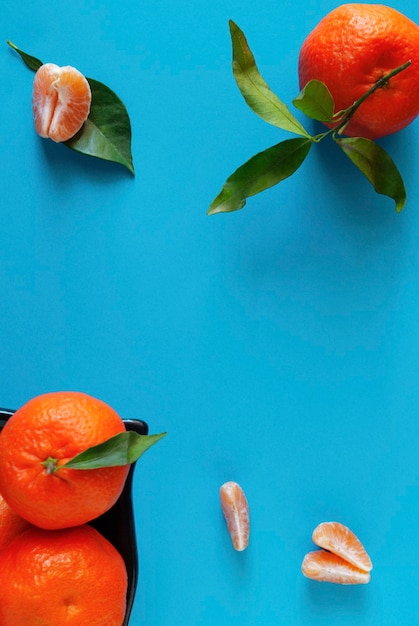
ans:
x=72 y=576
x=45 y=433
x=350 y=50
x=61 y=99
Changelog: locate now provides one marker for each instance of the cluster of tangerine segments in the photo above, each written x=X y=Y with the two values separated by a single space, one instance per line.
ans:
x=61 y=99
x=342 y=559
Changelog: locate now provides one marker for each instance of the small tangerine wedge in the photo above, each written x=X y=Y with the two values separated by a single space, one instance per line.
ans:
x=73 y=577
x=61 y=101
x=11 y=524
x=340 y=540
x=354 y=46
x=236 y=512
x=325 y=566
x=37 y=441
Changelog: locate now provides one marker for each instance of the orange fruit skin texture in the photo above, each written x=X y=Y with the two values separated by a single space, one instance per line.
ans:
x=236 y=512
x=72 y=576
x=350 y=49
x=11 y=524
x=325 y=566
x=61 y=99
x=59 y=425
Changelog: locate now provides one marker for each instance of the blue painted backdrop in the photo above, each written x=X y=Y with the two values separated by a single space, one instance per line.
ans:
x=278 y=346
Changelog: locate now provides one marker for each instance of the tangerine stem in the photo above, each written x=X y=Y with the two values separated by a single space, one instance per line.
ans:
x=381 y=82
x=50 y=465
x=346 y=114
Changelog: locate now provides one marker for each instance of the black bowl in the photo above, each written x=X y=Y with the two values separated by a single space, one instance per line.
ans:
x=117 y=524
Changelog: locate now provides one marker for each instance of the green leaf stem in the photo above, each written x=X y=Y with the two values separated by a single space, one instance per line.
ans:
x=277 y=163
x=316 y=101
x=32 y=62
x=122 y=449
x=254 y=89
x=261 y=172
x=106 y=134
x=377 y=165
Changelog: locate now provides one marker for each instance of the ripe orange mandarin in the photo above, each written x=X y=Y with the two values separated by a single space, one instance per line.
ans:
x=61 y=99
x=34 y=444
x=51 y=578
x=350 y=50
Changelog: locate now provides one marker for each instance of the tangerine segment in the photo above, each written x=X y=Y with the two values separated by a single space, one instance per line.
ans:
x=354 y=46
x=50 y=430
x=72 y=577
x=236 y=512
x=61 y=100
x=340 y=540
x=325 y=566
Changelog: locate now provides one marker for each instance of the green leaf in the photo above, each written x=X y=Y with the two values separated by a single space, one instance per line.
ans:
x=377 y=165
x=316 y=101
x=32 y=62
x=254 y=89
x=261 y=172
x=122 y=449
x=106 y=134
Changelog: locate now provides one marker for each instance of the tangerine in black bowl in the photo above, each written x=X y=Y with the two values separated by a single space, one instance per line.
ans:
x=117 y=524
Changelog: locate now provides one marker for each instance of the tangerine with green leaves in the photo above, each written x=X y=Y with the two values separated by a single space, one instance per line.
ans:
x=349 y=50
x=72 y=576
x=35 y=444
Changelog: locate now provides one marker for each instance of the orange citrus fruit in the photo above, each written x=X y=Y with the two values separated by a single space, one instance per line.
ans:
x=340 y=540
x=236 y=512
x=350 y=50
x=72 y=576
x=34 y=444
x=325 y=566
x=61 y=100
x=11 y=524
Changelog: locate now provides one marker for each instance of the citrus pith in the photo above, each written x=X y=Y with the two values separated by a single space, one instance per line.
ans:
x=354 y=46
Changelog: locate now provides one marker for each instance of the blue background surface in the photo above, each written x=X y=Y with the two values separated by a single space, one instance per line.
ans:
x=277 y=346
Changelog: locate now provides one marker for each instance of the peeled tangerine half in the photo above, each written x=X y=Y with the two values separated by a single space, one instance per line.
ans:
x=236 y=512
x=343 y=559
x=61 y=101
